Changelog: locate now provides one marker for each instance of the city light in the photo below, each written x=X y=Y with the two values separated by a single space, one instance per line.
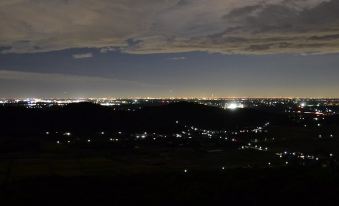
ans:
x=233 y=106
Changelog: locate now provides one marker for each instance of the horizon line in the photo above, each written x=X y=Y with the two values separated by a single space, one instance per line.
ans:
x=173 y=98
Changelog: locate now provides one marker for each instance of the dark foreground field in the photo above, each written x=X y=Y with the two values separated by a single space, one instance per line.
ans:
x=236 y=186
x=169 y=155
x=72 y=176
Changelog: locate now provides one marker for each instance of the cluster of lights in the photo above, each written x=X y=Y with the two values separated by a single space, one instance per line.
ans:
x=234 y=106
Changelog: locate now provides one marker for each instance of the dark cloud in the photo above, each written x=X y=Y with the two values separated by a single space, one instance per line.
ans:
x=157 y=26
x=259 y=47
x=285 y=18
x=325 y=37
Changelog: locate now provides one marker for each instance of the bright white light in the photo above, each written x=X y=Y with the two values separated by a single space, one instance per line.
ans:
x=233 y=106
x=107 y=104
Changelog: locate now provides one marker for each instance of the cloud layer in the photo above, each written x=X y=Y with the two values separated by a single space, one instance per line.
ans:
x=154 y=26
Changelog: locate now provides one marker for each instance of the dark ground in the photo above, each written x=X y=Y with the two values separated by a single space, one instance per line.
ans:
x=238 y=186
x=36 y=170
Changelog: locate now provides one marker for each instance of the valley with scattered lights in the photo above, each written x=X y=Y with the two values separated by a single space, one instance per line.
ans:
x=179 y=140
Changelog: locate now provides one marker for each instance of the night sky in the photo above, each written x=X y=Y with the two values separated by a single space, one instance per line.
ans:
x=169 y=48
